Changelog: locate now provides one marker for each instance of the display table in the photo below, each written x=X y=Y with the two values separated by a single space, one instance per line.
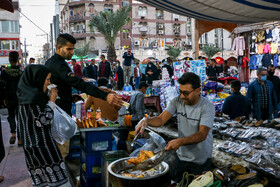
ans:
x=148 y=101
x=227 y=80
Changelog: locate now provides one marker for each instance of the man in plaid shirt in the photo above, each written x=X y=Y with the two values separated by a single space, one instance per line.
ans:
x=262 y=95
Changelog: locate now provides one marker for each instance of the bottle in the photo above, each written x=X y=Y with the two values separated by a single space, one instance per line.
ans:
x=98 y=114
x=89 y=113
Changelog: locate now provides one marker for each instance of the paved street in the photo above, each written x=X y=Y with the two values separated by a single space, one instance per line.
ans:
x=13 y=166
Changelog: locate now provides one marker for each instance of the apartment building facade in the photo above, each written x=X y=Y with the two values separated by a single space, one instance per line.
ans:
x=9 y=33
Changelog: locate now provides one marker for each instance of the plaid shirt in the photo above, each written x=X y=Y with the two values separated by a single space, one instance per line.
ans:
x=264 y=95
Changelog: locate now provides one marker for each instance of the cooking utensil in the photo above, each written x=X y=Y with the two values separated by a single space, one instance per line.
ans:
x=134 y=140
x=153 y=161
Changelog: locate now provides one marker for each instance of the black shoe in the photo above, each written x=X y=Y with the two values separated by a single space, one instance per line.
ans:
x=13 y=140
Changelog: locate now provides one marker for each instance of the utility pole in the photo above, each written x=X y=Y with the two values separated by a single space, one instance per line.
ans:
x=51 y=25
x=25 y=55
x=46 y=43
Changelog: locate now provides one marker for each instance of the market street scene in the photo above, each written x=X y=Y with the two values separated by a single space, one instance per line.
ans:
x=125 y=93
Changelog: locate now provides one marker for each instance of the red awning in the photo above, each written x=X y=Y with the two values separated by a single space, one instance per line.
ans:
x=7 y=5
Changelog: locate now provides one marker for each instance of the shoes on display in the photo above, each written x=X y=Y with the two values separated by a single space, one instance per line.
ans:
x=186 y=179
x=244 y=180
x=203 y=180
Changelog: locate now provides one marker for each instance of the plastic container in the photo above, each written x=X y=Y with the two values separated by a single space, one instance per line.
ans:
x=75 y=142
x=96 y=140
x=94 y=181
x=90 y=163
x=98 y=114
x=89 y=114
x=74 y=153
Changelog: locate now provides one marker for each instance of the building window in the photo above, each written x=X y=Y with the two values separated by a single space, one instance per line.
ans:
x=9 y=45
x=177 y=28
x=91 y=8
x=108 y=7
x=71 y=11
x=177 y=42
x=125 y=3
x=159 y=14
x=142 y=11
x=126 y=33
x=9 y=26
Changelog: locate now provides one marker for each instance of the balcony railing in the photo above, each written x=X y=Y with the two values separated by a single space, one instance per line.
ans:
x=77 y=17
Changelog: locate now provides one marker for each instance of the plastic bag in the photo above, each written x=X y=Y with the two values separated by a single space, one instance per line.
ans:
x=64 y=127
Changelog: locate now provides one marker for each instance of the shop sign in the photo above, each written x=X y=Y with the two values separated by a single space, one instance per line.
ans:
x=5 y=53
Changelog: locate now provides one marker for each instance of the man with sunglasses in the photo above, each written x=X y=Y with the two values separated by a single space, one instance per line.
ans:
x=195 y=116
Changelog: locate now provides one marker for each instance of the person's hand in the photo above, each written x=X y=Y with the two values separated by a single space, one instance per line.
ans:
x=173 y=145
x=53 y=94
x=140 y=127
x=114 y=99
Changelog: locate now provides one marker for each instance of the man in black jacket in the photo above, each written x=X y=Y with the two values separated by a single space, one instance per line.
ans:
x=91 y=70
x=276 y=84
x=10 y=77
x=104 y=69
x=65 y=79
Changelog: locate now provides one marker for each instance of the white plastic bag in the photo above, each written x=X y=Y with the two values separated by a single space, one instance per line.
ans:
x=64 y=127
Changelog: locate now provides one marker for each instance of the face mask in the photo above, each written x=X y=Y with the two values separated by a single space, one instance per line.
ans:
x=263 y=78
x=231 y=92
x=150 y=66
x=271 y=73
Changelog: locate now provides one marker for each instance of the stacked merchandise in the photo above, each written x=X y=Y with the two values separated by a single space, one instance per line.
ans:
x=165 y=74
x=167 y=93
x=257 y=145
x=264 y=48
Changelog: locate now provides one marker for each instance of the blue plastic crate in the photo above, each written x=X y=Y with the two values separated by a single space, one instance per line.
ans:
x=140 y=142
x=75 y=142
x=90 y=163
x=93 y=141
x=74 y=153
x=94 y=181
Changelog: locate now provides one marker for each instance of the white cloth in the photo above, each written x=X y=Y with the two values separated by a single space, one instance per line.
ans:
x=275 y=34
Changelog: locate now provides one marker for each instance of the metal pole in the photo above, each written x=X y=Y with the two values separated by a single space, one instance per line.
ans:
x=52 y=38
x=25 y=55
x=222 y=33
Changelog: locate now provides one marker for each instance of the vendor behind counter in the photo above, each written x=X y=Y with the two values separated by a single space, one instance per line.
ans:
x=107 y=111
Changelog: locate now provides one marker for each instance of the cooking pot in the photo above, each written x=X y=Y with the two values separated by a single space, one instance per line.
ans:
x=117 y=180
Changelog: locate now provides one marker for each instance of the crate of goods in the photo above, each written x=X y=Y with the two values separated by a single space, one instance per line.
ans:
x=90 y=163
x=97 y=139
x=75 y=142
x=94 y=181
x=106 y=158
x=74 y=153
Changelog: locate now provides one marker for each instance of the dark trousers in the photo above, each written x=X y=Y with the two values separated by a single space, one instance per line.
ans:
x=191 y=168
x=2 y=149
x=265 y=113
x=13 y=112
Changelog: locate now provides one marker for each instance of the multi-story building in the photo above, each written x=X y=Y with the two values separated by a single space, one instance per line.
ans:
x=151 y=29
x=9 y=33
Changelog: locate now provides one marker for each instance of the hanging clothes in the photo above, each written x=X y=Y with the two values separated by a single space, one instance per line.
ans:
x=239 y=45
x=260 y=36
x=268 y=34
x=275 y=60
x=253 y=62
x=239 y=60
x=253 y=48
x=259 y=60
x=274 y=48
x=245 y=60
x=275 y=34
x=260 y=48
x=267 y=49
x=266 y=60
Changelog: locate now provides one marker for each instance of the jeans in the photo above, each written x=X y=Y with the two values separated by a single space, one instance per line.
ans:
x=191 y=168
x=12 y=111
x=126 y=74
x=137 y=81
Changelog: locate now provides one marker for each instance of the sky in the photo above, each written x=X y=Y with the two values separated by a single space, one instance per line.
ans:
x=41 y=12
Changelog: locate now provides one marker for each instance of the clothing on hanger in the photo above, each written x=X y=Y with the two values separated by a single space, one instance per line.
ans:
x=253 y=62
x=274 y=48
x=266 y=60
x=268 y=34
x=239 y=45
x=260 y=48
x=253 y=48
x=275 y=34
x=275 y=60
x=267 y=49
x=260 y=36
x=245 y=60
x=259 y=60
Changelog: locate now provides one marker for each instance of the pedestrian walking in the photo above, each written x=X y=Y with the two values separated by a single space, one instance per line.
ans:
x=137 y=75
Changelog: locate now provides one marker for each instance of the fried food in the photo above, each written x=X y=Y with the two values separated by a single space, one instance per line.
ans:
x=144 y=155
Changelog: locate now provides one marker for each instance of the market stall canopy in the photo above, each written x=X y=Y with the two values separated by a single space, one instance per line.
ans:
x=231 y=11
x=255 y=26
x=7 y=5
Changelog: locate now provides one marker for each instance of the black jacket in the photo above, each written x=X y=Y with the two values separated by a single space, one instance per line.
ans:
x=91 y=71
x=108 y=72
x=276 y=84
x=65 y=79
x=10 y=76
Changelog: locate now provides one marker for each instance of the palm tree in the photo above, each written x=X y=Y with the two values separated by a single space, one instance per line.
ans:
x=173 y=52
x=109 y=24
x=210 y=50
x=81 y=53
